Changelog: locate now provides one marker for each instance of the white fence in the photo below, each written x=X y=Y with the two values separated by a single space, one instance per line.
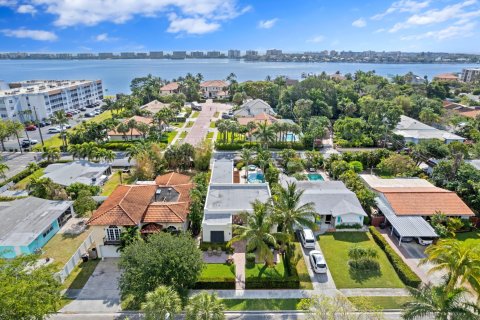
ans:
x=75 y=259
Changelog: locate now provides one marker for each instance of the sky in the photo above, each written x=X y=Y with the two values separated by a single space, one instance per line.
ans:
x=293 y=26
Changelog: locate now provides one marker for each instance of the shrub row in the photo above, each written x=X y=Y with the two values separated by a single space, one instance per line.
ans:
x=214 y=246
x=404 y=272
x=349 y=226
x=238 y=145
x=217 y=283
x=286 y=283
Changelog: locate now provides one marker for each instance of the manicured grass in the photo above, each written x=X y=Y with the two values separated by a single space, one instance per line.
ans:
x=302 y=270
x=189 y=124
x=262 y=304
x=473 y=236
x=195 y=114
x=216 y=114
x=210 y=135
x=183 y=135
x=212 y=124
x=80 y=275
x=22 y=184
x=113 y=182
x=63 y=302
x=217 y=270
x=335 y=247
x=379 y=302
x=171 y=136
x=261 y=271
x=62 y=246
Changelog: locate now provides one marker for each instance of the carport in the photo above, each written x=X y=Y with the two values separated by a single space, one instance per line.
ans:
x=406 y=226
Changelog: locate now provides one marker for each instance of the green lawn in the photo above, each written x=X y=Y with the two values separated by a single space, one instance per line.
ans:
x=171 y=136
x=261 y=271
x=183 y=135
x=216 y=114
x=335 y=247
x=80 y=275
x=22 y=184
x=262 y=304
x=210 y=135
x=113 y=182
x=195 y=114
x=302 y=270
x=213 y=125
x=473 y=236
x=61 y=247
x=189 y=124
x=214 y=271
x=379 y=302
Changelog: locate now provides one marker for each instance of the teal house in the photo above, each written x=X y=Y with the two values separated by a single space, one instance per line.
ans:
x=27 y=224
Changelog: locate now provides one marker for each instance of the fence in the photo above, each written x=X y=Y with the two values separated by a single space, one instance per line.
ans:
x=75 y=259
x=6 y=187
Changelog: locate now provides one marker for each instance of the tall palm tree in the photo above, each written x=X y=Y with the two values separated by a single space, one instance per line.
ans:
x=289 y=211
x=247 y=156
x=109 y=155
x=75 y=150
x=3 y=169
x=460 y=259
x=89 y=150
x=162 y=304
x=16 y=128
x=251 y=126
x=205 y=306
x=51 y=154
x=222 y=128
x=263 y=158
x=132 y=124
x=143 y=128
x=60 y=118
x=265 y=134
x=123 y=129
x=440 y=303
x=257 y=231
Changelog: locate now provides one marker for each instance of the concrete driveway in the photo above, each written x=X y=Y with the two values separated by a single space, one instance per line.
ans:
x=200 y=128
x=100 y=293
x=320 y=281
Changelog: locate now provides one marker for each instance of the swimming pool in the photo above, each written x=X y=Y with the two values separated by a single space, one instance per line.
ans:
x=256 y=177
x=315 y=177
x=290 y=137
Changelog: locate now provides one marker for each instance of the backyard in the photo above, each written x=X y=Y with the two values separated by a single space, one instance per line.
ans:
x=335 y=247
x=22 y=184
x=62 y=246
x=472 y=236
x=114 y=181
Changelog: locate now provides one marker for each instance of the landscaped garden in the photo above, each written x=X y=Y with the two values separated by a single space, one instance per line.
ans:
x=260 y=276
x=262 y=304
x=336 y=246
x=22 y=184
x=114 y=181
x=472 y=236
x=217 y=276
x=62 y=246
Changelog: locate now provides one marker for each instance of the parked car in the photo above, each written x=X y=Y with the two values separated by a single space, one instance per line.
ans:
x=69 y=114
x=28 y=142
x=196 y=106
x=54 y=130
x=31 y=127
x=169 y=129
x=83 y=109
x=89 y=115
x=226 y=116
x=307 y=238
x=42 y=124
x=404 y=239
x=66 y=126
x=90 y=106
x=425 y=241
x=318 y=262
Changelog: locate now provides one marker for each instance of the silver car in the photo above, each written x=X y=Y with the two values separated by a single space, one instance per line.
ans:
x=318 y=262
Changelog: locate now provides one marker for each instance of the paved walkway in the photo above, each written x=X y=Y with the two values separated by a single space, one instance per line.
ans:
x=240 y=260
x=319 y=281
x=200 y=128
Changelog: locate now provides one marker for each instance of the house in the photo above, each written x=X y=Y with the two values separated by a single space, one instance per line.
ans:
x=415 y=131
x=253 y=108
x=152 y=206
x=408 y=203
x=169 y=88
x=133 y=134
x=462 y=110
x=225 y=200
x=475 y=163
x=82 y=171
x=446 y=77
x=154 y=106
x=28 y=224
x=214 y=89
x=269 y=120
x=333 y=201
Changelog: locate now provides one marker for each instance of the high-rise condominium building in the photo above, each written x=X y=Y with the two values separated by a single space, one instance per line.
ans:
x=470 y=75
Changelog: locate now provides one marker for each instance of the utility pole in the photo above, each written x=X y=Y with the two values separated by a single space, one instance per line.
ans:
x=38 y=123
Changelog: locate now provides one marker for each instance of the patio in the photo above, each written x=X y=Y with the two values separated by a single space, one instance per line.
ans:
x=215 y=256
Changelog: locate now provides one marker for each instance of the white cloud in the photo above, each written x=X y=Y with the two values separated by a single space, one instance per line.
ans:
x=359 y=23
x=191 y=25
x=39 y=35
x=267 y=24
x=316 y=39
x=403 y=6
x=450 y=32
x=8 y=3
x=104 y=37
x=205 y=15
x=26 y=8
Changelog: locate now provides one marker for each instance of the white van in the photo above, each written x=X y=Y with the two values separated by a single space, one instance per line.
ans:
x=308 y=238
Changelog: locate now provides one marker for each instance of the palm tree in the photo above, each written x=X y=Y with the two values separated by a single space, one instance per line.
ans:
x=265 y=134
x=60 y=118
x=247 y=156
x=75 y=150
x=109 y=104
x=108 y=155
x=222 y=128
x=16 y=128
x=250 y=127
x=51 y=154
x=89 y=150
x=263 y=158
x=131 y=124
x=288 y=210
x=123 y=129
x=162 y=304
x=460 y=259
x=205 y=306
x=3 y=169
x=143 y=128
x=440 y=303
x=257 y=231
x=32 y=167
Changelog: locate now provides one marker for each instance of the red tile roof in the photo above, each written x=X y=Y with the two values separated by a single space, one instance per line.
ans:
x=167 y=212
x=135 y=131
x=172 y=178
x=170 y=86
x=214 y=83
x=446 y=76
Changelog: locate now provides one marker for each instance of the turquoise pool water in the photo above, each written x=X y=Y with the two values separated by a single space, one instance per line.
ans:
x=256 y=177
x=290 y=137
x=315 y=177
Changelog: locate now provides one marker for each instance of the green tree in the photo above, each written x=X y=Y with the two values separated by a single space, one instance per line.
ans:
x=165 y=259
x=237 y=98
x=52 y=154
x=205 y=306
x=3 y=169
x=15 y=128
x=74 y=189
x=29 y=291
x=398 y=165
x=163 y=303
x=265 y=134
x=84 y=203
x=45 y=188
x=428 y=116
x=247 y=156
x=60 y=118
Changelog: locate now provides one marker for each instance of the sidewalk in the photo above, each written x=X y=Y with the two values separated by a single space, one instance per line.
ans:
x=240 y=260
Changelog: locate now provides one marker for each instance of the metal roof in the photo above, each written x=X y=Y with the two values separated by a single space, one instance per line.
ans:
x=406 y=226
x=76 y=171
x=222 y=171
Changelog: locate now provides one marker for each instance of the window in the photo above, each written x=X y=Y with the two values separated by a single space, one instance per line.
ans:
x=46 y=232
x=339 y=219
x=113 y=233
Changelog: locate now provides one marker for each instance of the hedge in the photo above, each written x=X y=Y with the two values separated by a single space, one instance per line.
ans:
x=277 y=145
x=217 y=283
x=404 y=272
x=286 y=283
x=214 y=246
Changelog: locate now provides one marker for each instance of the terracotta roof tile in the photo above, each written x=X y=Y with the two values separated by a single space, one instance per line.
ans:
x=214 y=83
x=161 y=212
x=170 y=87
x=172 y=178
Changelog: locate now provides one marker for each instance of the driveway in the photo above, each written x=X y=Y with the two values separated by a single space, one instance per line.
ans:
x=100 y=293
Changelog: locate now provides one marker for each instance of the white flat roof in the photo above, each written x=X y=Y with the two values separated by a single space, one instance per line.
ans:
x=376 y=182
x=234 y=198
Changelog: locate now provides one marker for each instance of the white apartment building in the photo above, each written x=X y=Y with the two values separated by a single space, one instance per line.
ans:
x=20 y=100
x=470 y=75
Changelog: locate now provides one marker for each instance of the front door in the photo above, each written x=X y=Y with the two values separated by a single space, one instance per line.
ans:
x=217 y=236
x=328 y=219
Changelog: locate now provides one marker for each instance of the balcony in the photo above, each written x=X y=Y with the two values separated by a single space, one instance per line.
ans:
x=110 y=242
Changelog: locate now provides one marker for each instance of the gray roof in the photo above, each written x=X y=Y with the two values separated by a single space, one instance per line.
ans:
x=475 y=163
x=76 y=171
x=406 y=226
x=412 y=128
x=253 y=108
x=217 y=219
x=329 y=197
x=234 y=198
x=23 y=220
x=222 y=171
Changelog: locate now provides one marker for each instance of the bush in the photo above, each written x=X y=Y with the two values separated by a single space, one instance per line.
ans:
x=117 y=145
x=404 y=272
x=228 y=146
x=204 y=246
x=250 y=258
x=287 y=283
x=240 y=165
x=217 y=283
x=348 y=226
x=300 y=176
x=364 y=264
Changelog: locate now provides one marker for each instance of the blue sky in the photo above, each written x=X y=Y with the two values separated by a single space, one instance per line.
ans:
x=144 y=25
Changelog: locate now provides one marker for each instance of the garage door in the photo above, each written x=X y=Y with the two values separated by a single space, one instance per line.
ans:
x=217 y=236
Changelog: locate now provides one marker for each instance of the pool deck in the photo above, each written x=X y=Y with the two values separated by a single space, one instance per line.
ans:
x=321 y=173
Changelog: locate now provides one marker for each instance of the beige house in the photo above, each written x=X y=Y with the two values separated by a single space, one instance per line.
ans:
x=170 y=88
x=214 y=89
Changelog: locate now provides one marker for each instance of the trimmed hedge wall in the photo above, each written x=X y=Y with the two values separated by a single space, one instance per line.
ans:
x=214 y=246
x=404 y=272
x=219 y=283
x=286 y=283
x=239 y=145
